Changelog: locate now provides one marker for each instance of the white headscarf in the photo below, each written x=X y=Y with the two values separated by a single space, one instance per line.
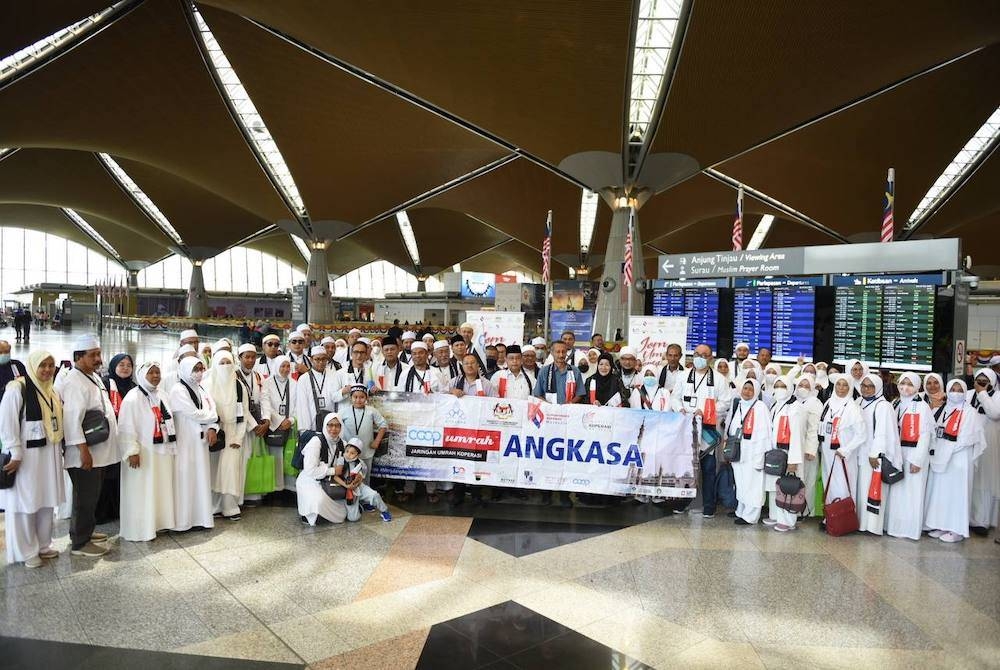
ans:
x=278 y=361
x=747 y=404
x=875 y=380
x=955 y=405
x=943 y=393
x=856 y=383
x=914 y=379
x=222 y=386
x=186 y=368
x=140 y=378
x=715 y=367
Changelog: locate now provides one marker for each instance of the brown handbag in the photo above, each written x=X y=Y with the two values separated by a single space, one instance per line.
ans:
x=841 y=514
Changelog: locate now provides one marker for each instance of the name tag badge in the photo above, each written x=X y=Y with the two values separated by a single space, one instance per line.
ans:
x=282 y=409
x=939 y=431
x=692 y=402
x=321 y=402
x=828 y=429
x=55 y=424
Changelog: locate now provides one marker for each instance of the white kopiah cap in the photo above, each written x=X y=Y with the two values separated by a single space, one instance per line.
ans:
x=86 y=343
x=219 y=346
x=302 y=327
x=526 y=348
x=995 y=361
x=328 y=340
x=427 y=336
x=245 y=348
x=188 y=334
x=626 y=351
x=441 y=344
x=272 y=336
x=409 y=335
x=354 y=331
x=317 y=351
x=356 y=443
x=538 y=342
x=418 y=345
x=365 y=340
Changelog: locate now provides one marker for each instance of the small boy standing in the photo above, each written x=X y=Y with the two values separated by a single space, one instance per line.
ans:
x=350 y=471
x=365 y=423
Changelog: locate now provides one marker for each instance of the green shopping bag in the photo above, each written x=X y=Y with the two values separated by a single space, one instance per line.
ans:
x=290 y=443
x=260 y=469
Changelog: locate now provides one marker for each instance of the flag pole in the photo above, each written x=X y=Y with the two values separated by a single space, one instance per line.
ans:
x=631 y=238
x=548 y=279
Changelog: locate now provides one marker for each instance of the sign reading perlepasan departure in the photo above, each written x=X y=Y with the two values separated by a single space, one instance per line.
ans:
x=535 y=444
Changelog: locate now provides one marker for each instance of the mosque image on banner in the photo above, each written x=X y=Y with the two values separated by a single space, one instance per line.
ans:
x=535 y=444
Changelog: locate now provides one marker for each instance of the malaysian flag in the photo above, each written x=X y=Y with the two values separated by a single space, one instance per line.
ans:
x=547 y=250
x=888 y=224
x=627 y=265
x=738 y=223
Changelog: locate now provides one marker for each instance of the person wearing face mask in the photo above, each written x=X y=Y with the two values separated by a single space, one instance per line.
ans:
x=196 y=423
x=148 y=439
x=934 y=394
x=824 y=389
x=986 y=483
x=916 y=429
x=882 y=438
x=842 y=437
x=10 y=369
x=229 y=463
x=958 y=442
x=649 y=394
x=281 y=391
x=810 y=409
x=787 y=428
x=750 y=420
x=704 y=397
x=31 y=432
x=725 y=484
x=771 y=375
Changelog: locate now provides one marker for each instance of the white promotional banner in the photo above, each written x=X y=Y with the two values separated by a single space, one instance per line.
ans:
x=508 y=297
x=535 y=444
x=495 y=327
x=650 y=336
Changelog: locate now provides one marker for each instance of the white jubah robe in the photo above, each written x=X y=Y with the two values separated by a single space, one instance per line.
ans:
x=229 y=464
x=38 y=486
x=882 y=437
x=811 y=409
x=192 y=466
x=281 y=394
x=749 y=470
x=986 y=483
x=312 y=500
x=147 y=492
x=792 y=412
x=952 y=463
x=842 y=436
x=905 y=514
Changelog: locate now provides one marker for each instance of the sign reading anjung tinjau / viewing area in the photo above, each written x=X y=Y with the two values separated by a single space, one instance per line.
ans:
x=535 y=444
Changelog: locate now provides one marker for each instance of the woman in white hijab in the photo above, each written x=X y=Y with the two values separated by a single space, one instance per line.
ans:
x=318 y=458
x=842 y=437
x=916 y=429
x=147 y=435
x=229 y=470
x=957 y=443
x=882 y=436
x=787 y=427
x=933 y=393
x=986 y=484
x=32 y=433
x=196 y=422
x=856 y=370
x=772 y=373
x=281 y=391
x=811 y=410
x=750 y=420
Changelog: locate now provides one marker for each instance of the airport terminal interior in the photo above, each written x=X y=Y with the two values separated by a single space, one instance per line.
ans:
x=607 y=334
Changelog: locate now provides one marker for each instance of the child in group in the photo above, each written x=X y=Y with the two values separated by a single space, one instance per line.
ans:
x=350 y=471
x=366 y=423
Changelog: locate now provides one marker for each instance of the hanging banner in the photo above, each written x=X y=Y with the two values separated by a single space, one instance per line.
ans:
x=508 y=297
x=495 y=327
x=650 y=336
x=534 y=444
x=581 y=323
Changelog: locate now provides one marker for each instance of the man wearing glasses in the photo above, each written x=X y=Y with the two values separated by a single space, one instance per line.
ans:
x=297 y=354
x=266 y=366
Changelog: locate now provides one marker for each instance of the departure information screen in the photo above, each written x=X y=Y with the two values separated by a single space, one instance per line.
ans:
x=752 y=317
x=886 y=320
x=778 y=314
x=699 y=305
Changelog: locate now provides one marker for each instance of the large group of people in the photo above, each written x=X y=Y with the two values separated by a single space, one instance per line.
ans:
x=183 y=444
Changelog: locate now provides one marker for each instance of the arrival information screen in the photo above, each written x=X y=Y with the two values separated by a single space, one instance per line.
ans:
x=908 y=326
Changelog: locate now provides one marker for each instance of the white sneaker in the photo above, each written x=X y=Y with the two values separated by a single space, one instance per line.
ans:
x=936 y=533
x=951 y=537
x=33 y=562
x=770 y=522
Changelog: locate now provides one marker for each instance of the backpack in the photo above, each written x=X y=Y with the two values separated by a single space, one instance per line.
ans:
x=324 y=448
x=790 y=494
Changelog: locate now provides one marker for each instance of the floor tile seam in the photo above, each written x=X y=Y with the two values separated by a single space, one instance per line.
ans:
x=885 y=594
x=76 y=614
x=243 y=605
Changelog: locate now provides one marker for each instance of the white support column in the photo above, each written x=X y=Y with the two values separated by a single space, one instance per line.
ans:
x=197 y=300
x=319 y=307
x=612 y=300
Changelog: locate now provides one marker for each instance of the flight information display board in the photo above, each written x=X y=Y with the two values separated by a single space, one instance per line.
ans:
x=778 y=314
x=886 y=320
x=752 y=317
x=700 y=305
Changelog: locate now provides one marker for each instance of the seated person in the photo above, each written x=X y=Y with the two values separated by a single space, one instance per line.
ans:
x=312 y=485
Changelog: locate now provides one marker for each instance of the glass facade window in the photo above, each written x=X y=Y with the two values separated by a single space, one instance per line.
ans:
x=237 y=270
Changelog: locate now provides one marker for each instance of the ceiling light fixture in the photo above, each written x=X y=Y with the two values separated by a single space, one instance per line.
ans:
x=955 y=174
x=406 y=230
x=144 y=202
x=760 y=234
x=249 y=118
x=82 y=224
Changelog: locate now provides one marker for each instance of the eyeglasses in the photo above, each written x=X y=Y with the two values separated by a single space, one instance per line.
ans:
x=296 y=341
x=270 y=344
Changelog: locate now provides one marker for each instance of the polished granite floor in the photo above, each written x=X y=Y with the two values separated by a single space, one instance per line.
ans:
x=509 y=585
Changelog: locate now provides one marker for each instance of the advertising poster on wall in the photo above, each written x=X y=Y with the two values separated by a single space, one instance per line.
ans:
x=650 y=336
x=493 y=327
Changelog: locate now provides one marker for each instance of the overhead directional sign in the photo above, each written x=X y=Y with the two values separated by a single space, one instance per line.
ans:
x=909 y=256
